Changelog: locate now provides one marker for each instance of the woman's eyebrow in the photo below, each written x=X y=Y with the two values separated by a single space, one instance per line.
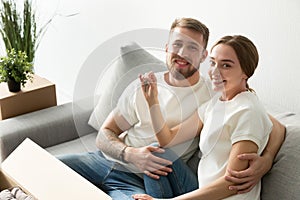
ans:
x=228 y=60
x=223 y=60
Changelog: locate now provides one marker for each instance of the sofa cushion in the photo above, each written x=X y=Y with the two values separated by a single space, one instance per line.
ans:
x=83 y=144
x=122 y=71
x=283 y=180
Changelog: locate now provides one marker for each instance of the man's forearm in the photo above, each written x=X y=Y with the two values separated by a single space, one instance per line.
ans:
x=275 y=140
x=108 y=142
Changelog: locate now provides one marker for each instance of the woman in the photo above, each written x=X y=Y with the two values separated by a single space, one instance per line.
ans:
x=232 y=123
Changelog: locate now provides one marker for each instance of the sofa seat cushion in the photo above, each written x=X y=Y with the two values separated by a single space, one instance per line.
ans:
x=83 y=144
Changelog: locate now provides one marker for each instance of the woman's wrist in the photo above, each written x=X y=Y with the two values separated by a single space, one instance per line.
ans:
x=153 y=102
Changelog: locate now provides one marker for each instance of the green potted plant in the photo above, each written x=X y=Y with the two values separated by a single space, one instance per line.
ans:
x=21 y=37
x=15 y=69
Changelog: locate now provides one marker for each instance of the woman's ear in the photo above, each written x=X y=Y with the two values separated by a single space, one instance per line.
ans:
x=203 y=56
x=244 y=76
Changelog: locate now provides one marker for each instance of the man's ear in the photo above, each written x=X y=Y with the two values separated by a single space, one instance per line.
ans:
x=166 y=47
x=204 y=55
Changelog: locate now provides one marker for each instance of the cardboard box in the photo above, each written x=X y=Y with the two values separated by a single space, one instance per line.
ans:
x=36 y=95
x=6 y=182
x=44 y=177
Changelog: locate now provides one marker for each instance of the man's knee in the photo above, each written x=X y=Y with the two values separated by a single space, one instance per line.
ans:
x=66 y=158
x=168 y=154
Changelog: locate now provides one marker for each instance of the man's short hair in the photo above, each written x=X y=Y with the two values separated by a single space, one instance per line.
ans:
x=193 y=24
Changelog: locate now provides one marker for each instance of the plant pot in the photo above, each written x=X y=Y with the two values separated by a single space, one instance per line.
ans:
x=13 y=86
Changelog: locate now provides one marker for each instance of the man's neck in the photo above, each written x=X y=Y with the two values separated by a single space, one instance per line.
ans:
x=192 y=80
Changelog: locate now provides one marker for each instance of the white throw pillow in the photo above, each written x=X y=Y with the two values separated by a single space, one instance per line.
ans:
x=133 y=60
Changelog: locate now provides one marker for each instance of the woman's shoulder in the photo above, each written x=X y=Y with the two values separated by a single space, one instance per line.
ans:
x=248 y=101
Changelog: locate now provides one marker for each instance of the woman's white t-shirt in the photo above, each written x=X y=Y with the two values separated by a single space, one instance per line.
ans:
x=225 y=123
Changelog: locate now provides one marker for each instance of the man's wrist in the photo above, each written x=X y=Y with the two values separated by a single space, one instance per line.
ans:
x=127 y=151
x=122 y=154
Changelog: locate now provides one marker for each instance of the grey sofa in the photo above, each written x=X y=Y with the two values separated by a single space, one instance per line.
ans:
x=65 y=129
x=58 y=131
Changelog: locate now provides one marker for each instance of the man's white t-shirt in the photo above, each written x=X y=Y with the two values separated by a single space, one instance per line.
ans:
x=225 y=123
x=177 y=104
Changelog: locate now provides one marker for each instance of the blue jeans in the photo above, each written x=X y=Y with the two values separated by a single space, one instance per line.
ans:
x=111 y=177
x=180 y=181
x=121 y=184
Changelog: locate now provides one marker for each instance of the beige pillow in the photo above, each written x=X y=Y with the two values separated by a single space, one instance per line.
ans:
x=122 y=71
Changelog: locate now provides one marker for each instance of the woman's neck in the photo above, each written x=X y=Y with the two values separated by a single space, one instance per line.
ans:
x=228 y=95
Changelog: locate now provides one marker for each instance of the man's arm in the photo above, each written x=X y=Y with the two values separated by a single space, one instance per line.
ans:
x=108 y=141
x=259 y=165
x=276 y=139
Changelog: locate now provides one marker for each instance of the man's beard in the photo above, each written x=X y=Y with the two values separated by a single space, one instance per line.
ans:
x=178 y=74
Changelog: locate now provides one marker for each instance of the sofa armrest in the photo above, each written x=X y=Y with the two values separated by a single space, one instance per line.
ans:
x=47 y=127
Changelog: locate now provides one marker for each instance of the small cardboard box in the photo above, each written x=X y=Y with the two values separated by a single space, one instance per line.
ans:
x=44 y=177
x=36 y=95
x=6 y=182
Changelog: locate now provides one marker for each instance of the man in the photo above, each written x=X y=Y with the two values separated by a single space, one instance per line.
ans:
x=119 y=167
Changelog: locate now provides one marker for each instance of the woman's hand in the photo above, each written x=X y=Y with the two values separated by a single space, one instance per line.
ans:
x=149 y=87
x=142 y=197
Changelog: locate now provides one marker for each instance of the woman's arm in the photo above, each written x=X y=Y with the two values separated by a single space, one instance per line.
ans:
x=188 y=129
x=219 y=188
x=166 y=136
x=260 y=165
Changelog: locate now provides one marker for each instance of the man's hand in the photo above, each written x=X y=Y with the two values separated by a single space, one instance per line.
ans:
x=245 y=180
x=148 y=163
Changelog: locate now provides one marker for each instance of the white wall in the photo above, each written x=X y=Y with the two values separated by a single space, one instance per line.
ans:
x=273 y=25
